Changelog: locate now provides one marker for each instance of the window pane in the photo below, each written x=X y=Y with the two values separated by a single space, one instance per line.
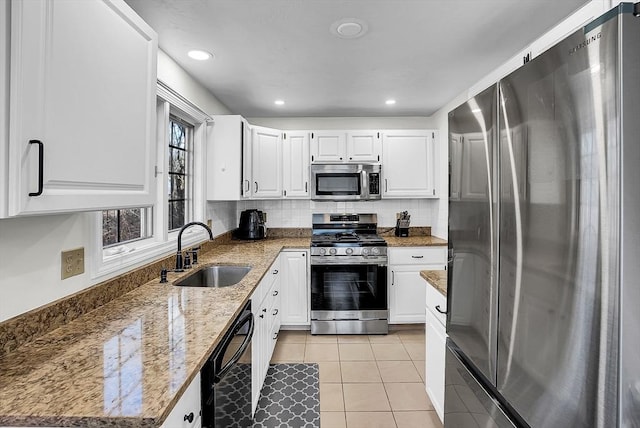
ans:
x=178 y=135
x=124 y=225
x=177 y=186
x=130 y=224
x=177 y=159
x=176 y=214
x=109 y=227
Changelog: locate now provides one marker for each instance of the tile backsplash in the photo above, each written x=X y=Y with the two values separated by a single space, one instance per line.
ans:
x=297 y=213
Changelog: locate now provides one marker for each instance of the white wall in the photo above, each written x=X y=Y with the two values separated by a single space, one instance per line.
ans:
x=30 y=247
x=297 y=213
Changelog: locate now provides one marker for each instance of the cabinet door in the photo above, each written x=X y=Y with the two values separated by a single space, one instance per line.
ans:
x=407 y=294
x=328 y=146
x=295 y=288
x=295 y=160
x=408 y=164
x=227 y=149
x=188 y=407
x=266 y=153
x=363 y=146
x=82 y=97
x=435 y=342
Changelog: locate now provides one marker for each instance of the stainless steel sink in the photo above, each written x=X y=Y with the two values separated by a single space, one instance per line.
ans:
x=215 y=276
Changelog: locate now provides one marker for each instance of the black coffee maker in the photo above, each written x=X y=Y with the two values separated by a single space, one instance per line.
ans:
x=252 y=225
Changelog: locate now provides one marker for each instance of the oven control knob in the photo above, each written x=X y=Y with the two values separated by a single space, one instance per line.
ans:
x=375 y=250
x=349 y=251
x=365 y=251
x=332 y=251
x=323 y=251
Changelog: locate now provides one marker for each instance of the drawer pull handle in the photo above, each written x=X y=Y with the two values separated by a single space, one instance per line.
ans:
x=275 y=272
x=275 y=336
x=440 y=310
x=417 y=257
x=275 y=312
x=189 y=417
x=275 y=293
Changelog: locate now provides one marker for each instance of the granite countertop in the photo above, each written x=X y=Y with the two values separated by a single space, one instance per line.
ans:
x=437 y=279
x=128 y=362
x=415 y=241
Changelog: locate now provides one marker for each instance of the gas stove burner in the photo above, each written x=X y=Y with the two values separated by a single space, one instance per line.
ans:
x=346 y=236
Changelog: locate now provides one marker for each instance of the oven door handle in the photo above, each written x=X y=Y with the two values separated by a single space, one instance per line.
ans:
x=324 y=262
x=245 y=344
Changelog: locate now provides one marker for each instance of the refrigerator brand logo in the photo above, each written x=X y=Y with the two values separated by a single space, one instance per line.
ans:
x=586 y=43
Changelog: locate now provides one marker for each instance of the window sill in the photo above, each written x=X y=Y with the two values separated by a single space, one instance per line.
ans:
x=121 y=259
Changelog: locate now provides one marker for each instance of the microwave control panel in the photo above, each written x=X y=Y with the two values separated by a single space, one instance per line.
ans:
x=374 y=183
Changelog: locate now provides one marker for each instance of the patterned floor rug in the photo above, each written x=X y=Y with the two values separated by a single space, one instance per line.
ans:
x=290 y=397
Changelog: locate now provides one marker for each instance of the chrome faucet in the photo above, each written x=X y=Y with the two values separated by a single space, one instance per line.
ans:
x=179 y=263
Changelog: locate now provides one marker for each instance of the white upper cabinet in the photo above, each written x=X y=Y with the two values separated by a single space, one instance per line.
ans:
x=328 y=146
x=295 y=163
x=345 y=146
x=408 y=164
x=266 y=153
x=83 y=107
x=363 y=146
x=228 y=159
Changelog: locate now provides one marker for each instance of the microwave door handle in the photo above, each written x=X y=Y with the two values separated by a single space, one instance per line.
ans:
x=364 y=192
x=245 y=344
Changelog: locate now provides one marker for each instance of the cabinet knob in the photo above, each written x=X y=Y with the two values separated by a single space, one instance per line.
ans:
x=189 y=417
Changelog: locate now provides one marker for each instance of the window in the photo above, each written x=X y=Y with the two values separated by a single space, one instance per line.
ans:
x=133 y=236
x=125 y=225
x=180 y=142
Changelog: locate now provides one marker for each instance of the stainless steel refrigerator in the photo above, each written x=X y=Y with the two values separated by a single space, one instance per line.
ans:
x=544 y=239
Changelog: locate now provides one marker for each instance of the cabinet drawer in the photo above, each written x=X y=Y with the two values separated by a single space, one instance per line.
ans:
x=436 y=299
x=418 y=255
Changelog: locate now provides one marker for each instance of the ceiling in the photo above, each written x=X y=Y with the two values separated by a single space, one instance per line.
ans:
x=422 y=53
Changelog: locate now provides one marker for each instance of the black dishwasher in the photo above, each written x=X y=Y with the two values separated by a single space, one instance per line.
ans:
x=226 y=377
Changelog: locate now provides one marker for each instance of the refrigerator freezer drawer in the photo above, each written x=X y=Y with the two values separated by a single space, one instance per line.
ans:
x=467 y=403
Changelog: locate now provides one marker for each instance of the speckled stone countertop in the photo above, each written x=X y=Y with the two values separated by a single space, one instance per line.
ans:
x=437 y=279
x=126 y=364
x=415 y=241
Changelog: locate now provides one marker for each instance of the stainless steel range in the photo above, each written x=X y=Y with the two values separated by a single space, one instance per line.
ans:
x=348 y=275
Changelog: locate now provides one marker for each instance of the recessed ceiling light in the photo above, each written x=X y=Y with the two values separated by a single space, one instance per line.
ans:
x=200 y=55
x=390 y=102
x=349 y=28
x=279 y=102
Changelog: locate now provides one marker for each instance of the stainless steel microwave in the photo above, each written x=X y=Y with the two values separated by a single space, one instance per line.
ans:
x=345 y=182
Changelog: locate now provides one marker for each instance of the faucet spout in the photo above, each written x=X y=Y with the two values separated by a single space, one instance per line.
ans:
x=179 y=262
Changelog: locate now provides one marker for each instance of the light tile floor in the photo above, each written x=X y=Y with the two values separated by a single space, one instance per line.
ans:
x=365 y=381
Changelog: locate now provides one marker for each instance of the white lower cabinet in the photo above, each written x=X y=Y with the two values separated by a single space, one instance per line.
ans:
x=407 y=289
x=265 y=306
x=435 y=342
x=187 y=411
x=295 y=287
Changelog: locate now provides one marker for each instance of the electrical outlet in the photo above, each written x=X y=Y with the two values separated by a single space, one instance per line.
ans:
x=72 y=262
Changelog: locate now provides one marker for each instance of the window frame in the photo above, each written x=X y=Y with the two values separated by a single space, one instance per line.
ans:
x=117 y=259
